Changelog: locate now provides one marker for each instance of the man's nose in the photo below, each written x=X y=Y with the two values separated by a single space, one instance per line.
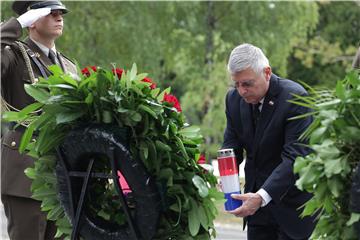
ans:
x=59 y=18
x=242 y=91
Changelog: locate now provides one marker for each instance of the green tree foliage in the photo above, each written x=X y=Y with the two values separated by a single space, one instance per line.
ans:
x=185 y=45
x=328 y=51
x=233 y=23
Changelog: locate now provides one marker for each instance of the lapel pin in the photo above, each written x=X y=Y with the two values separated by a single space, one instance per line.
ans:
x=37 y=55
x=271 y=103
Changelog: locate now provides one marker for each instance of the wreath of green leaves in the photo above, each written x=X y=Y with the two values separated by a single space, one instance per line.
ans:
x=334 y=137
x=168 y=147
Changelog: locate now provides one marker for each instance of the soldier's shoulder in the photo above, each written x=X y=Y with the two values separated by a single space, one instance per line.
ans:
x=11 y=51
x=11 y=47
x=15 y=46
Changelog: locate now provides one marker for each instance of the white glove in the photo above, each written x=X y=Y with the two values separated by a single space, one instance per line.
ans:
x=32 y=16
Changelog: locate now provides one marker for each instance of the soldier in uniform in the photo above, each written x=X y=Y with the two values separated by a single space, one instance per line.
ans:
x=23 y=62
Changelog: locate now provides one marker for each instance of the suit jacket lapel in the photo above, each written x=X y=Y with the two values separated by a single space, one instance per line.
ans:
x=246 y=120
x=269 y=105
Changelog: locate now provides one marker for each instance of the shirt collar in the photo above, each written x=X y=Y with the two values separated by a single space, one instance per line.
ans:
x=261 y=103
x=44 y=48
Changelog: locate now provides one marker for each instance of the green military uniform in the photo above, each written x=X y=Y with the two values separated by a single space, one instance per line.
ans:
x=22 y=211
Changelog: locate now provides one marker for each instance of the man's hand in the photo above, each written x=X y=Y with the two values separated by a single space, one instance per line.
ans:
x=32 y=16
x=251 y=203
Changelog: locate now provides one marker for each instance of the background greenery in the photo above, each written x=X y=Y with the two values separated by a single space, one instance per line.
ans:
x=186 y=45
x=334 y=137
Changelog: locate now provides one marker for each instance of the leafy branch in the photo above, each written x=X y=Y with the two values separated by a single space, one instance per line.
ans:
x=159 y=136
x=334 y=137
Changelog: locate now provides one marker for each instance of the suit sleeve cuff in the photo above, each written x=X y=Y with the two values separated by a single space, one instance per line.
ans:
x=266 y=198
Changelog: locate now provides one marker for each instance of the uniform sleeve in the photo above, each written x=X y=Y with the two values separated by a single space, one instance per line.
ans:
x=10 y=32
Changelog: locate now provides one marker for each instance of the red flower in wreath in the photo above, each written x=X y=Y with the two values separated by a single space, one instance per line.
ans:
x=153 y=85
x=173 y=101
x=118 y=72
x=86 y=72
x=202 y=159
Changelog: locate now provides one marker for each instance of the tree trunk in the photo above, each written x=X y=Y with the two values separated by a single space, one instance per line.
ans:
x=210 y=28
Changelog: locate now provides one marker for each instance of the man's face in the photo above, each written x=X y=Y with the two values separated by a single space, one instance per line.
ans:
x=50 y=26
x=252 y=86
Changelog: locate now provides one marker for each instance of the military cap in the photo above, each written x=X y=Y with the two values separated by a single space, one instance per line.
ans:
x=21 y=7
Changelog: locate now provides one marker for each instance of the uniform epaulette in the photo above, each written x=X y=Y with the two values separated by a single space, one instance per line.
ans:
x=16 y=44
x=15 y=47
x=12 y=46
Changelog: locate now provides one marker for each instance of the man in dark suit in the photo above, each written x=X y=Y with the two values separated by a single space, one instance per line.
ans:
x=23 y=62
x=258 y=112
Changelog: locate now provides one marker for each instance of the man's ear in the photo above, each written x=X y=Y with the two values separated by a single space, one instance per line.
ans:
x=267 y=72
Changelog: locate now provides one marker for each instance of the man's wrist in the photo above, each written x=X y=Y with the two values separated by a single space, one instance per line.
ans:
x=266 y=198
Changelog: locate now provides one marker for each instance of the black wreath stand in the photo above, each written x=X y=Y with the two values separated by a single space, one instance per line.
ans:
x=77 y=155
x=76 y=207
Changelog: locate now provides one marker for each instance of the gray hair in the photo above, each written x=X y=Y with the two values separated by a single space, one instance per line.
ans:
x=247 y=56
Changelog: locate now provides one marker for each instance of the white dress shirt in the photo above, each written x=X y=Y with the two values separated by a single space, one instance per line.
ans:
x=44 y=48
